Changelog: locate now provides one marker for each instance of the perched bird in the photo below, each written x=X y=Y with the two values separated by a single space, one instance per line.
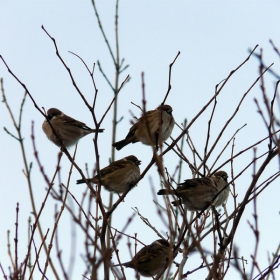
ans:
x=69 y=130
x=197 y=194
x=118 y=176
x=161 y=123
x=151 y=259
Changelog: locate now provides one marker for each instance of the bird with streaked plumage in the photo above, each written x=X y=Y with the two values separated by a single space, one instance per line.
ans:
x=197 y=194
x=151 y=259
x=69 y=130
x=118 y=176
x=153 y=128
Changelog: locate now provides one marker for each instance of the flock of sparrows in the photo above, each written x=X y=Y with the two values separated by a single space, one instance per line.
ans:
x=152 y=128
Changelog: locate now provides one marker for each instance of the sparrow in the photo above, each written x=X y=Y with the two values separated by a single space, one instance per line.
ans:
x=151 y=259
x=69 y=130
x=161 y=123
x=197 y=194
x=119 y=176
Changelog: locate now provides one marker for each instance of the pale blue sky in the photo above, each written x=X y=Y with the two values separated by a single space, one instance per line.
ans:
x=213 y=38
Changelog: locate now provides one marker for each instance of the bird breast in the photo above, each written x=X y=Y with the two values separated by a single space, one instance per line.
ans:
x=167 y=125
x=155 y=125
x=222 y=198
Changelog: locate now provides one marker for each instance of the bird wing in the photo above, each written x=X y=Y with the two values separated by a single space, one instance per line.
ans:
x=136 y=125
x=197 y=186
x=148 y=253
x=132 y=130
x=119 y=164
x=70 y=121
x=193 y=183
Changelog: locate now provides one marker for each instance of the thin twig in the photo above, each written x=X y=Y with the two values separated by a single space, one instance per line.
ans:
x=169 y=78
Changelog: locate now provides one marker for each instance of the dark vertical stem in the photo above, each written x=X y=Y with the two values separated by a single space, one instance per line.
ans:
x=16 y=241
x=114 y=129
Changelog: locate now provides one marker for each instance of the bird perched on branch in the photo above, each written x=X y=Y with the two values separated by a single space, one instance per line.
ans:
x=69 y=130
x=197 y=194
x=151 y=259
x=152 y=128
x=118 y=176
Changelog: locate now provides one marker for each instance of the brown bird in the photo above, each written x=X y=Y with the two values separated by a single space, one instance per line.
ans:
x=68 y=129
x=151 y=259
x=160 y=122
x=197 y=194
x=118 y=176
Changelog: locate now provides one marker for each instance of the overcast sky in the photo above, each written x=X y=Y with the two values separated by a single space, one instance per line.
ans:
x=213 y=37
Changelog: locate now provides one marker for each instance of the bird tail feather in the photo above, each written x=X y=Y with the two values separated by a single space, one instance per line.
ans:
x=165 y=191
x=99 y=130
x=81 y=181
x=119 y=145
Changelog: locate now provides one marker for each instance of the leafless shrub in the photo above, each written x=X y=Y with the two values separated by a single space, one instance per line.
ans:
x=186 y=231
